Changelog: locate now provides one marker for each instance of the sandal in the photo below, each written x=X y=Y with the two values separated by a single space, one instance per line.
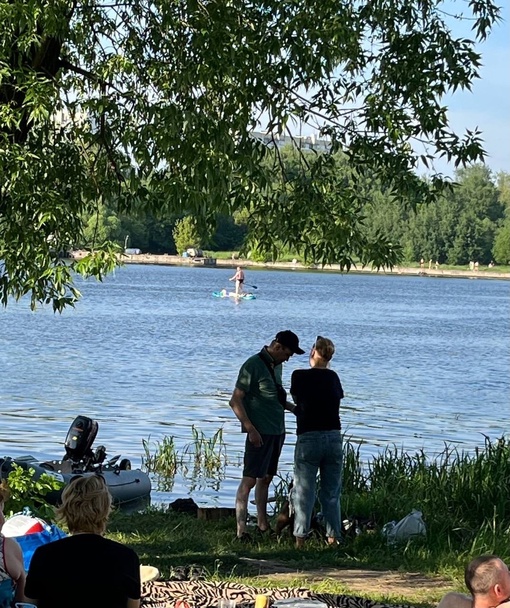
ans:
x=268 y=532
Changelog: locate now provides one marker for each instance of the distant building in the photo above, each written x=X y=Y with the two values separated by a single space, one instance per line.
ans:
x=303 y=142
x=64 y=118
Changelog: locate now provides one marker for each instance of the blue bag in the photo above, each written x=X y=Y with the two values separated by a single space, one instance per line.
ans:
x=30 y=542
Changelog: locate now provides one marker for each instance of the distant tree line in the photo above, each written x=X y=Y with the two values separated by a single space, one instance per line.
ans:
x=471 y=222
x=170 y=235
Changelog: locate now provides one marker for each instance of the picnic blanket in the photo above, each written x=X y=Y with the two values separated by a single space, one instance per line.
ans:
x=205 y=594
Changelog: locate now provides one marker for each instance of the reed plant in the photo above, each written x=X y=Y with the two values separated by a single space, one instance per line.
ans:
x=464 y=498
x=164 y=460
x=282 y=487
x=209 y=455
x=203 y=457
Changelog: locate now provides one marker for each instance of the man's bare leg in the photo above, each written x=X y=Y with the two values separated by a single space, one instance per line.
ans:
x=242 y=495
x=261 y=494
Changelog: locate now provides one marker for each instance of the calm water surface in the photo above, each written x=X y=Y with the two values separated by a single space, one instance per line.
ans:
x=150 y=352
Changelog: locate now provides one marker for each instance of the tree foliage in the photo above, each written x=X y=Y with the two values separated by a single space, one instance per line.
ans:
x=27 y=492
x=149 y=106
x=186 y=234
x=101 y=226
x=459 y=227
x=501 y=249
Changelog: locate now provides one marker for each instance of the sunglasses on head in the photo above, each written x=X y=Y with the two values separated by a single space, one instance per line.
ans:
x=317 y=338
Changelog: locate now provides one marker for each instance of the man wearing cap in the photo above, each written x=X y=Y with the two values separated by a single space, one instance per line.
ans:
x=259 y=402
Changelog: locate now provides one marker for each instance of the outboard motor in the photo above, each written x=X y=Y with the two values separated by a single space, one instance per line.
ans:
x=80 y=438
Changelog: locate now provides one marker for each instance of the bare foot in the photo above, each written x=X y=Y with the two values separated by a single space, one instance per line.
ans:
x=300 y=542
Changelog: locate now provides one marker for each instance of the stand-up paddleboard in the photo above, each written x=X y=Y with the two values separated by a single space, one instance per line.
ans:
x=232 y=294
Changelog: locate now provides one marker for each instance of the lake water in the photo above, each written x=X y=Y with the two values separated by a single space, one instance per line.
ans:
x=150 y=352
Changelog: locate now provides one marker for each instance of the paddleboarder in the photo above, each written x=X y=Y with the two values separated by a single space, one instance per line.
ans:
x=239 y=279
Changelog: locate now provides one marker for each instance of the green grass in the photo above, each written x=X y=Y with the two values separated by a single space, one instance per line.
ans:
x=168 y=540
x=465 y=500
x=222 y=255
x=161 y=456
x=455 y=489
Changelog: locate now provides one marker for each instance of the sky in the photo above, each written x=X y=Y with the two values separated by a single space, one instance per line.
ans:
x=487 y=106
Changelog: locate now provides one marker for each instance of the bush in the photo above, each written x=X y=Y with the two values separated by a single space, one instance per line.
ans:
x=25 y=491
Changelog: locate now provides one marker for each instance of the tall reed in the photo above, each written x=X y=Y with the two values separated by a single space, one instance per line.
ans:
x=209 y=455
x=164 y=460
x=462 y=496
x=203 y=457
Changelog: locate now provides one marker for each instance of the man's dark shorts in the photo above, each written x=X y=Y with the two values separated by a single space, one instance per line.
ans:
x=259 y=462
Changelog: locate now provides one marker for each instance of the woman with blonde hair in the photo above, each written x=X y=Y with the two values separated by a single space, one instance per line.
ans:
x=12 y=571
x=317 y=393
x=84 y=569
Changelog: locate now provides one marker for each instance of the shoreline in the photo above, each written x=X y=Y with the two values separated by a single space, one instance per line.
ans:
x=177 y=260
x=397 y=270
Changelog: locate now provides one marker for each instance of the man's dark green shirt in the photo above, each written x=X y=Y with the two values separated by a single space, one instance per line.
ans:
x=261 y=397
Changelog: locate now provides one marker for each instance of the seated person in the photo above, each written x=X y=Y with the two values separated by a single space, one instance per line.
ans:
x=12 y=571
x=488 y=580
x=84 y=569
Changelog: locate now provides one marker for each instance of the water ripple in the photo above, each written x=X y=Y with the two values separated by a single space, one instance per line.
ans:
x=149 y=353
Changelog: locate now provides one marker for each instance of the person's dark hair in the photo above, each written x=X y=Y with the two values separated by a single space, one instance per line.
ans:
x=482 y=574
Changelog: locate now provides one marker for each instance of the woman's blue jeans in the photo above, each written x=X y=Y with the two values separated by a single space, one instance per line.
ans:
x=318 y=451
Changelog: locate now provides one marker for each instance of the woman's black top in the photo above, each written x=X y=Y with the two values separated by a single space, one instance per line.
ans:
x=317 y=392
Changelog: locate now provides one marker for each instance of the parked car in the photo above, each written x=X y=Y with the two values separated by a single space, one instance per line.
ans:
x=194 y=252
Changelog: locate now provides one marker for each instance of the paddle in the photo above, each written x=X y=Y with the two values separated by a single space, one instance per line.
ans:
x=252 y=286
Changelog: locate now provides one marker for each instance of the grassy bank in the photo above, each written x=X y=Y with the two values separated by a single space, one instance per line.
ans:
x=465 y=500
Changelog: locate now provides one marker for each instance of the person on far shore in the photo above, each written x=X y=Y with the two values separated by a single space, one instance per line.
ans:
x=12 y=571
x=259 y=402
x=239 y=279
x=317 y=393
x=84 y=569
x=488 y=580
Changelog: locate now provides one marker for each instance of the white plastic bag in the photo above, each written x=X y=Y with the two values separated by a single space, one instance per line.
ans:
x=410 y=526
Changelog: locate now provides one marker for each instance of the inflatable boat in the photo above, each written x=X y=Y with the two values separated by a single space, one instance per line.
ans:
x=125 y=484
